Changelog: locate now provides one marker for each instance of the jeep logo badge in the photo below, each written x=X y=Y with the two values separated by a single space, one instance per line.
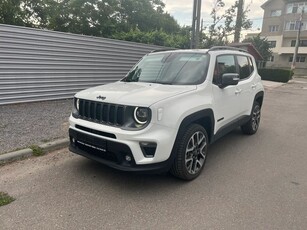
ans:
x=100 y=97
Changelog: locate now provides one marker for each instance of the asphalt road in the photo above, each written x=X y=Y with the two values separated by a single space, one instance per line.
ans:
x=250 y=182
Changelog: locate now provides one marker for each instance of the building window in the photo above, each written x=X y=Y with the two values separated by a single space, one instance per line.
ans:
x=298 y=59
x=275 y=13
x=272 y=44
x=273 y=28
x=295 y=8
x=295 y=25
x=293 y=43
x=303 y=43
x=290 y=26
x=271 y=59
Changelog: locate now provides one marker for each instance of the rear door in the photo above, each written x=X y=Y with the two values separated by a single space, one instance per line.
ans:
x=246 y=85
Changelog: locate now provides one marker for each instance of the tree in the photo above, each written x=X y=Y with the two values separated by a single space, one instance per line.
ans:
x=133 y=20
x=262 y=45
x=146 y=15
x=12 y=13
x=90 y=17
x=223 y=24
x=230 y=23
x=156 y=37
x=238 y=26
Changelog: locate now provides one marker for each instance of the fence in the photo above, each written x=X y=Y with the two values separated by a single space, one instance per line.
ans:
x=38 y=65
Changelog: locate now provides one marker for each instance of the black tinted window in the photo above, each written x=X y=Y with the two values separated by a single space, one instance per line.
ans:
x=244 y=67
x=224 y=64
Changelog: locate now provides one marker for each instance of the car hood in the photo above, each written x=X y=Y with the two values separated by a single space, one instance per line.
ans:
x=133 y=93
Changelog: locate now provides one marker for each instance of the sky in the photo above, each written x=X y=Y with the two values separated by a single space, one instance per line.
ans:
x=182 y=10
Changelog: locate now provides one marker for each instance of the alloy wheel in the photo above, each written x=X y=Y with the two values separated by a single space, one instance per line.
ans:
x=195 y=154
x=256 y=118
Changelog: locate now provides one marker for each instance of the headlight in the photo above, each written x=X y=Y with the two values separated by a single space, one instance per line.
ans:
x=141 y=115
x=75 y=107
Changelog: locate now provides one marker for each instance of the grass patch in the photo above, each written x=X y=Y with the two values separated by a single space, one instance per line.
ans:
x=37 y=151
x=5 y=199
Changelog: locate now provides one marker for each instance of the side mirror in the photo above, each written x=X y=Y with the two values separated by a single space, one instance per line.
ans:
x=229 y=79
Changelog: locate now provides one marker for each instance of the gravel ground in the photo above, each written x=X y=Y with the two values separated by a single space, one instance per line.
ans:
x=22 y=125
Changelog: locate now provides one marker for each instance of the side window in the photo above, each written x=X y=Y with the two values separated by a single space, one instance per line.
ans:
x=244 y=67
x=224 y=64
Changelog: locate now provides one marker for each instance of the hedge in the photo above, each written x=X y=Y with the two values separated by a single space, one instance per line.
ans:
x=280 y=75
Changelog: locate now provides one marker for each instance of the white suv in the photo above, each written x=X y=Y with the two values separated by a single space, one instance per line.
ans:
x=167 y=110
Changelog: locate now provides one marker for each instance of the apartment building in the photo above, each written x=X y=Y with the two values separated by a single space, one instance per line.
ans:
x=280 y=26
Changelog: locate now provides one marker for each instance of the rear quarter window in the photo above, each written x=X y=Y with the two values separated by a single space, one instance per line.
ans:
x=245 y=67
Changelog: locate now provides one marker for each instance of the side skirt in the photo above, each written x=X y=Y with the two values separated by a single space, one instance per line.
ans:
x=229 y=127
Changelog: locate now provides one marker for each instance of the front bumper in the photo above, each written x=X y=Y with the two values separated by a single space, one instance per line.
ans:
x=122 y=149
x=112 y=154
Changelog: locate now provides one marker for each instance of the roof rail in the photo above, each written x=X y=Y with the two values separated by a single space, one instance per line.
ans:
x=161 y=50
x=227 y=48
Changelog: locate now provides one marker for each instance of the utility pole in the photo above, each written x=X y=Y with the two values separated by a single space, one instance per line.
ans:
x=201 y=30
x=193 y=25
x=196 y=24
x=297 y=43
x=238 y=21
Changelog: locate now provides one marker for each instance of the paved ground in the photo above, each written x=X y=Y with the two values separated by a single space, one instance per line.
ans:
x=250 y=182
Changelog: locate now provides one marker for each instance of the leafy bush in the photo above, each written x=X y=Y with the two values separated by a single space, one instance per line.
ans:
x=279 y=75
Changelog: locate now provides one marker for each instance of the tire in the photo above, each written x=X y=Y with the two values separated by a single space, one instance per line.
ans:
x=191 y=156
x=252 y=125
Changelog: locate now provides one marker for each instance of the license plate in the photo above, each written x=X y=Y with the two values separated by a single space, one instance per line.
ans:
x=100 y=148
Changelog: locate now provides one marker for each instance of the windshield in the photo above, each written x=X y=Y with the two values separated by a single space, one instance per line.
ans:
x=170 y=68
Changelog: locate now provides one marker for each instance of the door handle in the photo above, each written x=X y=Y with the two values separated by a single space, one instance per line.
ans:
x=254 y=86
x=238 y=91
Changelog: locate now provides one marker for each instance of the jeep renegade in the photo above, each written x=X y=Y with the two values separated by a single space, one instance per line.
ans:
x=166 y=111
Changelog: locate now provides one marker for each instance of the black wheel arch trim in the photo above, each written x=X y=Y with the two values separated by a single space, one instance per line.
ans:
x=197 y=117
x=259 y=95
x=206 y=114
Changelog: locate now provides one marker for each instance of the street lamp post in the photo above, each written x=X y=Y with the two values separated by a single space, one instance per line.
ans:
x=196 y=24
x=297 y=43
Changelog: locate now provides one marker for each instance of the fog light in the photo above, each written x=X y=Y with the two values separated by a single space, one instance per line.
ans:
x=148 y=149
x=73 y=140
x=128 y=158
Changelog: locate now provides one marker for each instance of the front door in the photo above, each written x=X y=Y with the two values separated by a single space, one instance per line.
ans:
x=226 y=100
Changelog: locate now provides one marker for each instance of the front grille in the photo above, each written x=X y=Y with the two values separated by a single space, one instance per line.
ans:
x=100 y=133
x=100 y=112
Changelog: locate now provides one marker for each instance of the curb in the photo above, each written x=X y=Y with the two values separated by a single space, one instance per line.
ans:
x=25 y=153
x=271 y=84
x=298 y=81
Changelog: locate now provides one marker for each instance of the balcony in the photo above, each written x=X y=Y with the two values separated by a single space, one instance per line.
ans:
x=290 y=50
